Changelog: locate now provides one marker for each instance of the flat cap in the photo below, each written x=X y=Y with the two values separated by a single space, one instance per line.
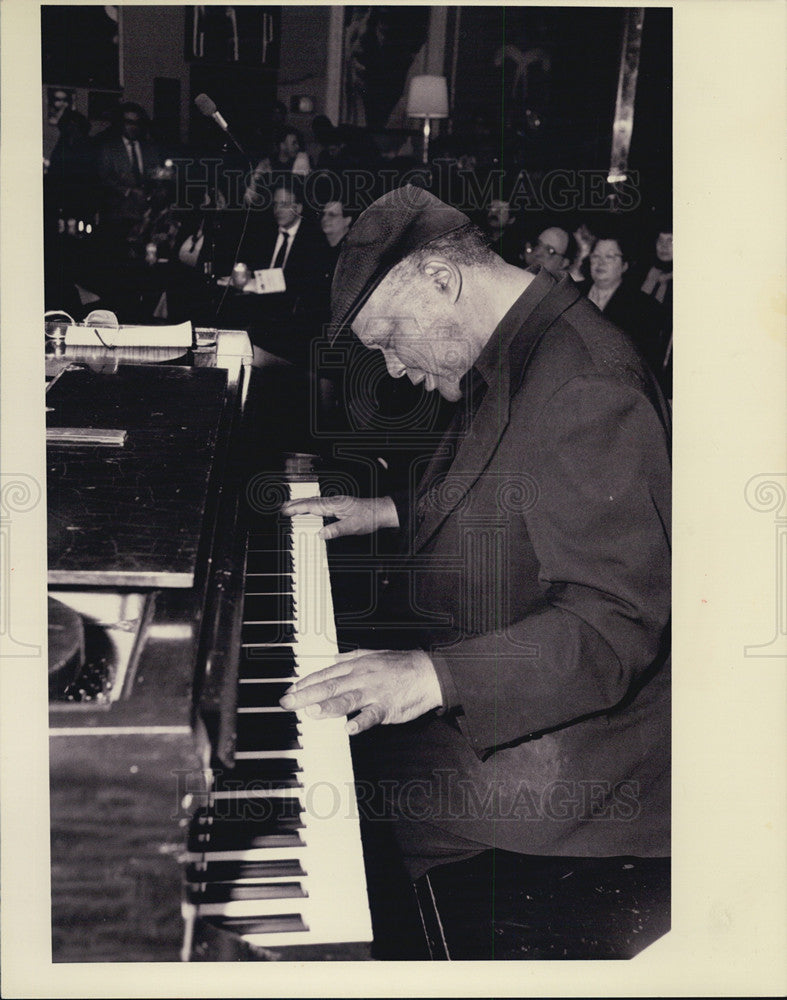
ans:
x=390 y=229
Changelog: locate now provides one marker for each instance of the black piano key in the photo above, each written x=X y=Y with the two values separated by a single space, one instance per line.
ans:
x=265 y=541
x=260 y=662
x=277 y=561
x=272 y=584
x=268 y=607
x=275 y=923
x=273 y=810
x=266 y=732
x=232 y=871
x=246 y=825
x=260 y=694
x=234 y=839
x=255 y=780
x=228 y=892
x=276 y=632
x=205 y=843
x=262 y=768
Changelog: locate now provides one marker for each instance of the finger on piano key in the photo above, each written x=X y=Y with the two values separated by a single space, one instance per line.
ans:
x=317 y=505
x=261 y=694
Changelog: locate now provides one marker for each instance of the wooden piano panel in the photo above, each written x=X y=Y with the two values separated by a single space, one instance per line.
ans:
x=119 y=770
x=132 y=515
x=115 y=842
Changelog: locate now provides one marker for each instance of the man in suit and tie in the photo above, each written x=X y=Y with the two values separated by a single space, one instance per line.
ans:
x=532 y=721
x=127 y=164
x=283 y=324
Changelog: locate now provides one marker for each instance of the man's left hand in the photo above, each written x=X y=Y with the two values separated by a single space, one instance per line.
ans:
x=383 y=686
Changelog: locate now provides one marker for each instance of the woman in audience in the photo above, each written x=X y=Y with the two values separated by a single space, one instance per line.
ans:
x=620 y=299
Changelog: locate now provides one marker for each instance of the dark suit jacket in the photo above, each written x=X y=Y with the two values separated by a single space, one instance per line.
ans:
x=306 y=260
x=284 y=323
x=543 y=557
x=639 y=316
x=123 y=197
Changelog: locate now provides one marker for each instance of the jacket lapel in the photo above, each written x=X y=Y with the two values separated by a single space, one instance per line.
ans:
x=518 y=339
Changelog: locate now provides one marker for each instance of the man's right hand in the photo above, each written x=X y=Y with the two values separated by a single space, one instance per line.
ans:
x=354 y=516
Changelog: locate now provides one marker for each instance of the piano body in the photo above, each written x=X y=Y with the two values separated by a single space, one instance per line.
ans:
x=178 y=614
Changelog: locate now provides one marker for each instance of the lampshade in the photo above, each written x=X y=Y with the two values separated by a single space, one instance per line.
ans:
x=428 y=97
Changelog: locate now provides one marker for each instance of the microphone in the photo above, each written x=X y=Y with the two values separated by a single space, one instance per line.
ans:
x=209 y=109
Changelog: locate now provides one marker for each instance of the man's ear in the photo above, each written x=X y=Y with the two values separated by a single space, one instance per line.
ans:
x=625 y=267
x=444 y=276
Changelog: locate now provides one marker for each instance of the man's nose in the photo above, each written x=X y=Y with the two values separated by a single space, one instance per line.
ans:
x=395 y=367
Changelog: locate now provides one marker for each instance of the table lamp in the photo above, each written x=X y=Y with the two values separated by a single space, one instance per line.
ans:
x=427 y=98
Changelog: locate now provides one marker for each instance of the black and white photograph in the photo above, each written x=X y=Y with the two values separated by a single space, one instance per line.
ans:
x=363 y=417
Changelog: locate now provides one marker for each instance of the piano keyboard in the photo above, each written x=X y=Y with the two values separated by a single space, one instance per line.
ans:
x=274 y=855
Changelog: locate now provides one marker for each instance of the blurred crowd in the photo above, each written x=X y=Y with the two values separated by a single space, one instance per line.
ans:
x=160 y=234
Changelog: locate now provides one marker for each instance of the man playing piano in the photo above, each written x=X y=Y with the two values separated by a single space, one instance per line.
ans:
x=533 y=724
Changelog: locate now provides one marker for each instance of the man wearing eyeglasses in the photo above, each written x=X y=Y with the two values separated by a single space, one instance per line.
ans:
x=554 y=250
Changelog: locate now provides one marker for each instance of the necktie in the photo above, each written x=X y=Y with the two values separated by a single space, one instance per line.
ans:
x=135 y=163
x=282 y=252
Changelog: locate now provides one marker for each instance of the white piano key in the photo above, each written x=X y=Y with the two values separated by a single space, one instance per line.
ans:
x=255 y=793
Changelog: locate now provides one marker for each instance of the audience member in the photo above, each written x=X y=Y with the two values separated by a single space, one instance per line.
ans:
x=286 y=157
x=658 y=280
x=335 y=224
x=620 y=300
x=658 y=286
x=554 y=250
x=70 y=179
x=500 y=226
x=322 y=131
x=336 y=154
x=283 y=323
x=128 y=165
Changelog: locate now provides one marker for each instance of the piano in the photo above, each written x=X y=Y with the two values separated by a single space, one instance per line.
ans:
x=191 y=817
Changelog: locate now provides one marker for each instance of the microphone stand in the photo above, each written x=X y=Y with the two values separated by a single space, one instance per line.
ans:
x=222 y=299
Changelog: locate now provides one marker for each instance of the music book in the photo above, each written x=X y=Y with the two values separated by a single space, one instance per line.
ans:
x=178 y=335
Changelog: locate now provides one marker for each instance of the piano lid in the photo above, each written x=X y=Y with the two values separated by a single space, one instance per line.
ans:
x=131 y=514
